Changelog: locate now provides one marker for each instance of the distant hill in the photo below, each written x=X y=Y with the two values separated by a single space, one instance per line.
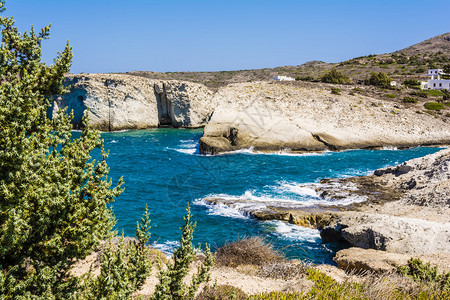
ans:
x=440 y=43
x=407 y=63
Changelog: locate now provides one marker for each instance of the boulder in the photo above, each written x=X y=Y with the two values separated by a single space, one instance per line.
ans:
x=391 y=233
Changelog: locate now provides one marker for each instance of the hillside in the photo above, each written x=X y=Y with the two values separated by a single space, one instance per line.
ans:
x=407 y=63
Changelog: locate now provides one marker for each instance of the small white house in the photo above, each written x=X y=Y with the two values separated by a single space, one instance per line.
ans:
x=434 y=73
x=283 y=78
x=435 y=82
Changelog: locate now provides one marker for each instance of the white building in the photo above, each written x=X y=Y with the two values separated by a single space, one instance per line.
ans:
x=283 y=78
x=435 y=82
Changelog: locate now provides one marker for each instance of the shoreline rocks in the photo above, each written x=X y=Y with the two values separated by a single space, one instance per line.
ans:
x=397 y=217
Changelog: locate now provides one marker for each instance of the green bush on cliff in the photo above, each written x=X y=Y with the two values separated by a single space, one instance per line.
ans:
x=410 y=100
x=434 y=106
x=411 y=83
x=336 y=91
x=124 y=266
x=335 y=76
x=380 y=79
x=391 y=96
x=424 y=273
x=171 y=280
x=53 y=196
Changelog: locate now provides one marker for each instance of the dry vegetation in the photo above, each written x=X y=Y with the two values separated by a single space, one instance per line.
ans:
x=421 y=285
x=247 y=251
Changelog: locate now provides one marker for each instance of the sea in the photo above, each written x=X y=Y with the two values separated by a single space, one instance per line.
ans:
x=162 y=168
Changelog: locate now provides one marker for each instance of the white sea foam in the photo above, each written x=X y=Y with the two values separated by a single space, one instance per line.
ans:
x=222 y=210
x=353 y=172
x=390 y=148
x=187 y=147
x=186 y=151
x=294 y=232
x=249 y=202
x=284 y=152
x=114 y=141
x=297 y=188
x=167 y=247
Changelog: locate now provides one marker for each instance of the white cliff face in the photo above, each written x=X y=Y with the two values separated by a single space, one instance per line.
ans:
x=262 y=115
x=273 y=117
x=117 y=102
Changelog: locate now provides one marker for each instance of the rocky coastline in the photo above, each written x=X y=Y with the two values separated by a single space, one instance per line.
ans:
x=405 y=213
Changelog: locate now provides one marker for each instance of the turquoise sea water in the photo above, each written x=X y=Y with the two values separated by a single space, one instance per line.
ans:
x=162 y=168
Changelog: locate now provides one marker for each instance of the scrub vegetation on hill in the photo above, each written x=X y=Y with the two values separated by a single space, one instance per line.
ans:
x=405 y=64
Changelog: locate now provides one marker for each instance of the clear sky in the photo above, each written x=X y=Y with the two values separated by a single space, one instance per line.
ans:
x=209 y=35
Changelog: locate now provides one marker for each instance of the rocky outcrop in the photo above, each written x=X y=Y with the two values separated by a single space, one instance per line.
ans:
x=117 y=102
x=403 y=209
x=357 y=259
x=394 y=234
x=417 y=224
x=313 y=217
x=271 y=117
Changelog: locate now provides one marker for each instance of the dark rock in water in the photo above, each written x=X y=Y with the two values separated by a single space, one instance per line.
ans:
x=397 y=171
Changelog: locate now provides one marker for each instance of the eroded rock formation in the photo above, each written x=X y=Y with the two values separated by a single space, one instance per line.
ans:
x=271 y=117
x=117 y=102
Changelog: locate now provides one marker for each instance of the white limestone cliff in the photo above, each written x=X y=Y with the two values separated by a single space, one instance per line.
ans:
x=118 y=102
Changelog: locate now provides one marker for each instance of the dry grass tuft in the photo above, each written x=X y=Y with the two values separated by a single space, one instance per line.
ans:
x=396 y=286
x=247 y=251
x=285 y=270
x=222 y=292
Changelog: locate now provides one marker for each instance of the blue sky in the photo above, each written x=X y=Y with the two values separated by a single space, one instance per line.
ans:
x=175 y=35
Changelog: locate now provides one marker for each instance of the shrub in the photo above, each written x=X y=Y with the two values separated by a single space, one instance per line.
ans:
x=434 y=93
x=433 y=106
x=171 y=280
x=335 y=76
x=124 y=268
x=411 y=82
x=421 y=272
x=278 y=296
x=336 y=91
x=410 y=100
x=285 y=270
x=380 y=79
x=421 y=94
x=54 y=197
x=446 y=95
x=392 y=96
x=357 y=89
x=222 y=292
x=247 y=251
x=304 y=78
